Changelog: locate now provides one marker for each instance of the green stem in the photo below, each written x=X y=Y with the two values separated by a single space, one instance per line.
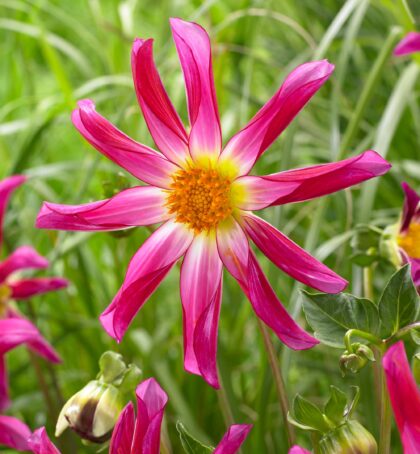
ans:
x=224 y=402
x=315 y=442
x=278 y=380
x=400 y=333
x=357 y=332
x=368 y=282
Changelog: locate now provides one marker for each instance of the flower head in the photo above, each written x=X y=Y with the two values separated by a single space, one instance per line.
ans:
x=408 y=45
x=204 y=197
x=404 y=395
x=15 y=329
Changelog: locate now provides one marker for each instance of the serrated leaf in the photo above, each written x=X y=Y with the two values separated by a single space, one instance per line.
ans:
x=336 y=405
x=331 y=316
x=308 y=414
x=190 y=444
x=399 y=304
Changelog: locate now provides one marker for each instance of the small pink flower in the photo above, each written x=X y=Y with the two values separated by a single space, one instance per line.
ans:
x=408 y=45
x=15 y=329
x=204 y=196
x=298 y=450
x=404 y=395
x=14 y=433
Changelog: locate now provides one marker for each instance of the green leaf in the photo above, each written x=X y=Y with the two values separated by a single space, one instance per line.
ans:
x=190 y=444
x=331 y=316
x=399 y=304
x=415 y=335
x=336 y=405
x=308 y=414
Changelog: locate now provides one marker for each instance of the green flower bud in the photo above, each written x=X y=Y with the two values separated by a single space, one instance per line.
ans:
x=92 y=412
x=388 y=245
x=355 y=361
x=349 y=438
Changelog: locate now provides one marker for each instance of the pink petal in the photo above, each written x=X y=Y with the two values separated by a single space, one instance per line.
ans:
x=39 y=443
x=27 y=288
x=193 y=46
x=151 y=403
x=411 y=206
x=7 y=186
x=164 y=124
x=301 y=84
x=291 y=258
x=141 y=161
x=241 y=263
x=23 y=257
x=14 y=433
x=307 y=183
x=404 y=395
x=298 y=450
x=146 y=270
x=201 y=292
x=4 y=384
x=233 y=439
x=17 y=331
x=122 y=436
x=409 y=44
x=141 y=205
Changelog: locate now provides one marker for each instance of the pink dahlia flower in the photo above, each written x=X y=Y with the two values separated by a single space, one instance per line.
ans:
x=15 y=329
x=404 y=395
x=204 y=197
x=408 y=45
x=141 y=434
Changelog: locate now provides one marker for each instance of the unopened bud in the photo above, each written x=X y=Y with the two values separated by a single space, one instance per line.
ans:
x=355 y=361
x=388 y=245
x=349 y=438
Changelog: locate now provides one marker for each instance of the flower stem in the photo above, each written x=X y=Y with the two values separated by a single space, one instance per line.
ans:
x=278 y=380
x=357 y=332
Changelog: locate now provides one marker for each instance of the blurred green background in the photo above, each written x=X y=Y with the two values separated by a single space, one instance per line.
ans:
x=55 y=52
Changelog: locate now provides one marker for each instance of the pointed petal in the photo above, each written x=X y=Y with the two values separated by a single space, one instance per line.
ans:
x=23 y=257
x=14 y=433
x=298 y=450
x=27 y=288
x=411 y=206
x=307 y=183
x=17 y=331
x=241 y=263
x=4 y=385
x=141 y=205
x=193 y=46
x=291 y=258
x=7 y=186
x=408 y=45
x=164 y=124
x=122 y=436
x=151 y=403
x=141 y=161
x=301 y=84
x=39 y=443
x=146 y=270
x=404 y=395
x=201 y=291
x=233 y=439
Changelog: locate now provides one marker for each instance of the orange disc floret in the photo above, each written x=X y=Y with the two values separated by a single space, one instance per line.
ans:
x=200 y=198
x=410 y=240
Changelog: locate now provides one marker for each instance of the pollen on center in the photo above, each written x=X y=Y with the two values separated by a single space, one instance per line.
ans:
x=410 y=240
x=200 y=198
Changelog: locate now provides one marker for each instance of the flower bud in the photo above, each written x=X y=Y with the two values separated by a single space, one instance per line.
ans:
x=349 y=438
x=355 y=361
x=388 y=245
x=92 y=412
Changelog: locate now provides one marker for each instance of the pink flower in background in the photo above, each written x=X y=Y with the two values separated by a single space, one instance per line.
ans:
x=16 y=330
x=204 y=197
x=141 y=434
x=14 y=433
x=404 y=395
x=408 y=238
x=298 y=450
x=408 y=45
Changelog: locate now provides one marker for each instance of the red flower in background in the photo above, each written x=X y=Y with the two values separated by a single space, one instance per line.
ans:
x=14 y=329
x=408 y=45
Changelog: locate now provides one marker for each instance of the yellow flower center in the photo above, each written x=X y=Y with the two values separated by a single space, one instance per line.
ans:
x=5 y=294
x=410 y=240
x=200 y=198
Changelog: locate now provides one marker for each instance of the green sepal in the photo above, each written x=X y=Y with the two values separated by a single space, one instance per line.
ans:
x=190 y=444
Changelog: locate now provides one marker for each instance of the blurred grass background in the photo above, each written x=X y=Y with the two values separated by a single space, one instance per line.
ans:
x=54 y=52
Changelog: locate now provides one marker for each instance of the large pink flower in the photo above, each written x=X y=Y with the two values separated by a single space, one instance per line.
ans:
x=404 y=395
x=205 y=198
x=14 y=328
x=141 y=434
x=408 y=45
